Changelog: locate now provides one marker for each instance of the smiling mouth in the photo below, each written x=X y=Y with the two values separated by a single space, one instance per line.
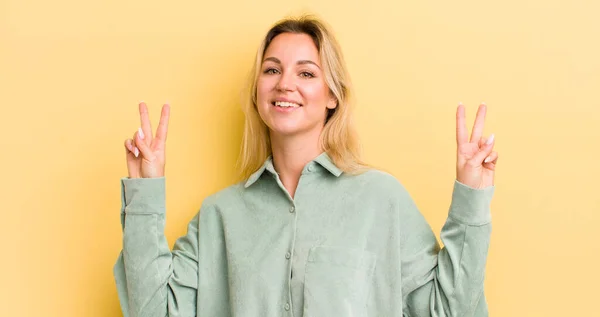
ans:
x=284 y=104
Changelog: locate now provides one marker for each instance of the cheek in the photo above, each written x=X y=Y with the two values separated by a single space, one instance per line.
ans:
x=260 y=89
x=316 y=93
x=262 y=96
x=264 y=85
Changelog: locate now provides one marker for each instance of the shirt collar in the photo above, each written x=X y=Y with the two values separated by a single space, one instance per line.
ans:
x=323 y=159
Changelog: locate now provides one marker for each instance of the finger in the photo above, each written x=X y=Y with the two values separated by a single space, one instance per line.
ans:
x=485 y=151
x=128 y=146
x=479 y=123
x=163 y=124
x=146 y=126
x=461 y=127
x=482 y=142
x=144 y=149
x=135 y=150
x=492 y=163
x=492 y=158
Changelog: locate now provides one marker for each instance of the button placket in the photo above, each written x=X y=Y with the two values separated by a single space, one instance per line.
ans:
x=288 y=255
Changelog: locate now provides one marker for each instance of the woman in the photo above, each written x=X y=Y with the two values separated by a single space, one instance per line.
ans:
x=311 y=231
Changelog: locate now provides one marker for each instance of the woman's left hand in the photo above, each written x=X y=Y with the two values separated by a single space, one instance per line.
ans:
x=476 y=161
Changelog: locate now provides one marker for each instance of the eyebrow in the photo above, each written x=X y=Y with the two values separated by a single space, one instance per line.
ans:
x=301 y=62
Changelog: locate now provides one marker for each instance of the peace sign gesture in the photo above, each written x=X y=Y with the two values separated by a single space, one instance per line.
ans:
x=476 y=162
x=146 y=154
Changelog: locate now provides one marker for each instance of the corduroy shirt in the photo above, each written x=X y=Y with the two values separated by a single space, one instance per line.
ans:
x=345 y=245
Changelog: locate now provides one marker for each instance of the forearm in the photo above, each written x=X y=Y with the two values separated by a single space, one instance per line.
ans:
x=150 y=287
x=455 y=286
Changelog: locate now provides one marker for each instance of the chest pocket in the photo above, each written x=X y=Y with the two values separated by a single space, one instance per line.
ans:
x=337 y=281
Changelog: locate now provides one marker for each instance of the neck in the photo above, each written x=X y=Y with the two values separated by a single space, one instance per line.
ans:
x=291 y=154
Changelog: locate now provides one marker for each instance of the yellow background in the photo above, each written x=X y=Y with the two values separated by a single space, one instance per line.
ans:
x=72 y=73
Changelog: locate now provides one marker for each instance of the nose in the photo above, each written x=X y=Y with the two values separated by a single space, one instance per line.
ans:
x=286 y=82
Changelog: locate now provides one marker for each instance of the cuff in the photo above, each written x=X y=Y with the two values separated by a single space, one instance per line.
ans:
x=471 y=206
x=143 y=195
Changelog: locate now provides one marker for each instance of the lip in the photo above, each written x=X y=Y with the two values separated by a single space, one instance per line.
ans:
x=285 y=100
x=285 y=110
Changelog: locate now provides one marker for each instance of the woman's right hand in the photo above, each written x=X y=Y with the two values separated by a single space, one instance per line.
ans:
x=146 y=153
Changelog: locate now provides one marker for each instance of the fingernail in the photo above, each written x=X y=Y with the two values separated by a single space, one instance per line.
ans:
x=136 y=152
x=483 y=103
x=141 y=101
x=141 y=133
x=490 y=140
x=487 y=159
x=460 y=103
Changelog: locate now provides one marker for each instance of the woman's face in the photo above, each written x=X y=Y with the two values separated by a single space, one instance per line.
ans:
x=292 y=96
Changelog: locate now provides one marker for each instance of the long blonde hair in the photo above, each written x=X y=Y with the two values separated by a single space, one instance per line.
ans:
x=338 y=138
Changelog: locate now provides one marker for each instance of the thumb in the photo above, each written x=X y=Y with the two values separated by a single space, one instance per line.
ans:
x=133 y=165
x=143 y=147
x=484 y=150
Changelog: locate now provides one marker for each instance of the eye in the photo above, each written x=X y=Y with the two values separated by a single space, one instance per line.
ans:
x=307 y=75
x=271 y=71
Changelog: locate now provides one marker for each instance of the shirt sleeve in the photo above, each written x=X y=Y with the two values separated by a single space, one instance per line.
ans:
x=151 y=280
x=448 y=281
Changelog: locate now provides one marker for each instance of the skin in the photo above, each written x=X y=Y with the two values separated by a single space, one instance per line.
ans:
x=292 y=70
x=150 y=162
x=475 y=159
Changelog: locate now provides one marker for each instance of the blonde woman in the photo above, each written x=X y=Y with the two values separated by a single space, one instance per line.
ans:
x=311 y=230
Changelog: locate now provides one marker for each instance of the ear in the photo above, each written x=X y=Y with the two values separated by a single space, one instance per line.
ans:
x=332 y=103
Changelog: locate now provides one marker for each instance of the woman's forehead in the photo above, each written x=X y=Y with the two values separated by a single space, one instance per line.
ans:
x=292 y=47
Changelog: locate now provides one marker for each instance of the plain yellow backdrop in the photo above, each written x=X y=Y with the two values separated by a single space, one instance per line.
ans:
x=72 y=73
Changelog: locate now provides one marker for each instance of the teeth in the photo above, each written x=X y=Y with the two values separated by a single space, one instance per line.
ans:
x=286 y=104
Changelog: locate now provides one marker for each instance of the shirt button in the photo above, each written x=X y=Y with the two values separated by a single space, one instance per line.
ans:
x=288 y=255
x=292 y=209
x=286 y=306
x=310 y=168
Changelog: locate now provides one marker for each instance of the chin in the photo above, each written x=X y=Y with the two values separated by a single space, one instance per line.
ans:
x=285 y=130
x=289 y=126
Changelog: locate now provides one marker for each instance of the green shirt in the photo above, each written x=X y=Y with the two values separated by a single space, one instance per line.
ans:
x=346 y=245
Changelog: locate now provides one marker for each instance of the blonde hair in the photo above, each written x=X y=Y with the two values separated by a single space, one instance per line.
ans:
x=338 y=138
